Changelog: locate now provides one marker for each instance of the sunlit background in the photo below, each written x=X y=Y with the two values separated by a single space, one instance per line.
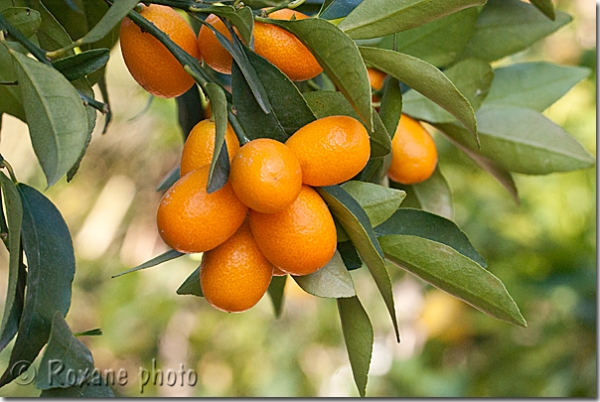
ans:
x=544 y=250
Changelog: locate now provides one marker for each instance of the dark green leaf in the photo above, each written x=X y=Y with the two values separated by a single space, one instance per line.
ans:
x=16 y=305
x=328 y=103
x=63 y=353
x=191 y=286
x=349 y=255
x=334 y=9
x=56 y=117
x=164 y=257
x=169 y=179
x=546 y=7
x=448 y=270
x=189 y=111
x=505 y=27
x=219 y=166
x=17 y=277
x=241 y=18
x=96 y=389
x=10 y=95
x=104 y=92
x=439 y=42
x=82 y=64
x=239 y=54
x=378 y=202
x=358 y=335
x=84 y=87
x=471 y=77
x=289 y=109
x=356 y=224
x=275 y=290
x=432 y=195
x=339 y=57
x=426 y=79
x=391 y=105
x=332 y=281
x=415 y=222
x=535 y=85
x=523 y=141
x=376 y=18
x=91 y=332
x=26 y=20
x=51 y=268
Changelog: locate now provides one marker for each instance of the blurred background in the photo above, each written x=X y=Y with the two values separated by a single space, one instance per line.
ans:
x=544 y=250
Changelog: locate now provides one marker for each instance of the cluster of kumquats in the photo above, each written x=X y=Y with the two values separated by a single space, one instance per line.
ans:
x=267 y=219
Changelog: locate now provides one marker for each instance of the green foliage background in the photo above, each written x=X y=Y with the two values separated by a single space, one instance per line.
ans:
x=543 y=250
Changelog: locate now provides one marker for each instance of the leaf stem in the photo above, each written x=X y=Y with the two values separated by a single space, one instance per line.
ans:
x=291 y=6
x=9 y=168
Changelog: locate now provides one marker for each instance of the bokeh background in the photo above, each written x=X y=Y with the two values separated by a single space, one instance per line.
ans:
x=544 y=250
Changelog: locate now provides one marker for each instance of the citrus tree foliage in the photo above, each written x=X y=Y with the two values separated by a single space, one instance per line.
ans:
x=437 y=56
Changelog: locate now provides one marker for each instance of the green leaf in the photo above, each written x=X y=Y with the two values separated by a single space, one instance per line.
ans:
x=535 y=85
x=355 y=222
x=505 y=27
x=391 y=105
x=358 y=335
x=452 y=272
x=17 y=277
x=500 y=174
x=339 y=57
x=55 y=115
x=51 y=268
x=332 y=281
x=189 y=111
x=378 y=202
x=328 y=103
x=25 y=20
x=523 y=141
x=164 y=257
x=546 y=7
x=109 y=21
x=275 y=290
x=376 y=18
x=426 y=79
x=219 y=165
x=438 y=42
x=289 y=109
x=191 y=286
x=82 y=64
x=51 y=34
x=432 y=195
x=472 y=77
x=63 y=353
x=415 y=222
